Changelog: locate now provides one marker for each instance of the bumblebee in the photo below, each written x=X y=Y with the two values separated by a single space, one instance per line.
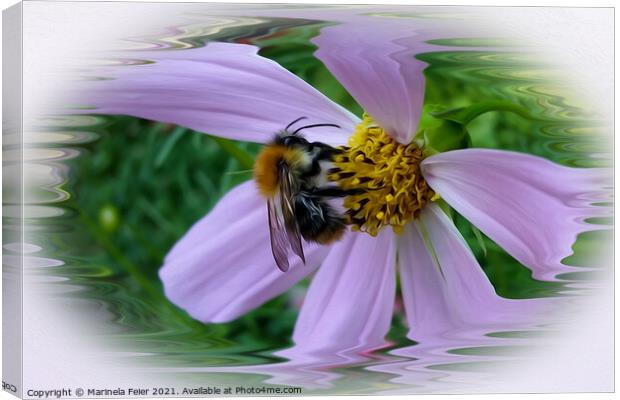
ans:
x=291 y=173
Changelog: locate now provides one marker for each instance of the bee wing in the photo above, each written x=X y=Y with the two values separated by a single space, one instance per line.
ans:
x=279 y=240
x=287 y=190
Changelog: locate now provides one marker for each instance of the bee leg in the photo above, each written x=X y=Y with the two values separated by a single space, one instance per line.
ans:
x=326 y=152
x=334 y=192
x=322 y=152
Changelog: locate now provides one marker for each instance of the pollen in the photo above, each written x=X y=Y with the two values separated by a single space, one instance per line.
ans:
x=393 y=190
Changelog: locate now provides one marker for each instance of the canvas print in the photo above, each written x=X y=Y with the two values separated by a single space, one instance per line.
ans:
x=296 y=199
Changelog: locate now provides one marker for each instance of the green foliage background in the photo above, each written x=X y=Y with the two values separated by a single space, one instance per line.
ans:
x=138 y=188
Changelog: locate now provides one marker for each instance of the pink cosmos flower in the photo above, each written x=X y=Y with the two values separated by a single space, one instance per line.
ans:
x=223 y=266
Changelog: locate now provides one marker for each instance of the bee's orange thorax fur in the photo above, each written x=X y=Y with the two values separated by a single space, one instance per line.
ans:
x=266 y=166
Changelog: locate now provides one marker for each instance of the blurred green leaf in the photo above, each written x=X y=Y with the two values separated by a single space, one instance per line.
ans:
x=480 y=239
x=178 y=132
x=448 y=135
x=245 y=160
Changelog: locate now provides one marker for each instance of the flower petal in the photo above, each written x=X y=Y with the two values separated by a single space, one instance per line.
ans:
x=374 y=60
x=530 y=206
x=223 y=267
x=451 y=295
x=223 y=89
x=350 y=301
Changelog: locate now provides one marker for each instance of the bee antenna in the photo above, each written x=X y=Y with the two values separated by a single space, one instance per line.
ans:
x=292 y=123
x=314 y=126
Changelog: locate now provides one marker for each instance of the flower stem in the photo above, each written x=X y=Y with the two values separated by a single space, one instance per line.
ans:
x=466 y=114
x=245 y=160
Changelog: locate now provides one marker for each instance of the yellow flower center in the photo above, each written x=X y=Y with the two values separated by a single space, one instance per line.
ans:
x=393 y=189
